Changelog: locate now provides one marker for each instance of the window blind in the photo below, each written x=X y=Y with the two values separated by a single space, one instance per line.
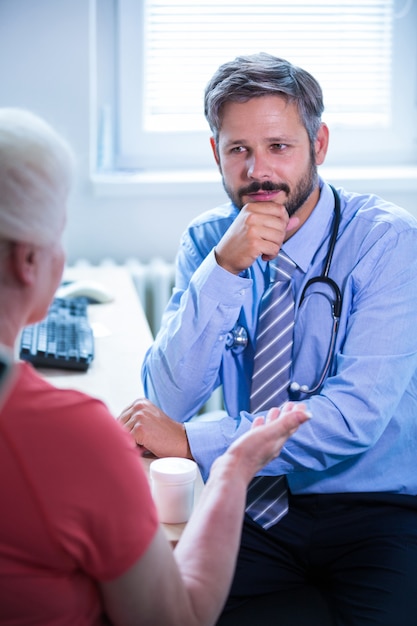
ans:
x=347 y=46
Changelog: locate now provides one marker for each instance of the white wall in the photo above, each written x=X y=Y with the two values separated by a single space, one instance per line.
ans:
x=44 y=66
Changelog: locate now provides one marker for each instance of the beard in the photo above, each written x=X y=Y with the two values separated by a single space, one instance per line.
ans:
x=295 y=198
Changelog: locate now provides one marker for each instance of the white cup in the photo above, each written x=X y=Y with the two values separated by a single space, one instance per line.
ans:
x=172 y=485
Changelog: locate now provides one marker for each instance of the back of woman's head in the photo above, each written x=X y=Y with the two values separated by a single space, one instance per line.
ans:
x=36 y=171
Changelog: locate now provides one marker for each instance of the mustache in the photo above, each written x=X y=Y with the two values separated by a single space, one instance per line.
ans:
x=265 y=186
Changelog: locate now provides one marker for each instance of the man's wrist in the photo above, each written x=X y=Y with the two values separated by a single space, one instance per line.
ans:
x=187 y=454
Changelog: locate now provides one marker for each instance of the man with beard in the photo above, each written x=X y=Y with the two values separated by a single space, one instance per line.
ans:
x=347 y=547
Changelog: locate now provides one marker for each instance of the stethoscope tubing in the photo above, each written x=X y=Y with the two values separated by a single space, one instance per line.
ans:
x=295 y=387
x=237 y=338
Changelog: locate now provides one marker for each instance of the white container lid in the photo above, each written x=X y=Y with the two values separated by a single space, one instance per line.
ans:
x=173 y=470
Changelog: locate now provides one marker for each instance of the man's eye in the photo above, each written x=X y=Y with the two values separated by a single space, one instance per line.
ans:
x=237 y=149
x=278 y=146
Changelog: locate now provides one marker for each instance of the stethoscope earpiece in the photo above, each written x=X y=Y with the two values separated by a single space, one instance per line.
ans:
x=296 y=388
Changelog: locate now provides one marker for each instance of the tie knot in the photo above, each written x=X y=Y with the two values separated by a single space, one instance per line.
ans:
x=281 y=268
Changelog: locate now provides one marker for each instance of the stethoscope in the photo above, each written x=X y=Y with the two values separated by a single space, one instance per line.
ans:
x=237 y=338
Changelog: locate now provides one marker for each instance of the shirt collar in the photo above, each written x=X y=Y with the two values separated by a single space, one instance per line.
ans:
x=302 y=246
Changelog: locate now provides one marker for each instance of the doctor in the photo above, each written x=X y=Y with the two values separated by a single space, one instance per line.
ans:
x=351 y=529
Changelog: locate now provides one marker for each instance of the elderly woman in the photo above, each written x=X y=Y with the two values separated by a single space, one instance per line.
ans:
x=80 y=541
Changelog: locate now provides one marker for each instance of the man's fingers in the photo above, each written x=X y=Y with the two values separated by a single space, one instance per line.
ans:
x=293 y=222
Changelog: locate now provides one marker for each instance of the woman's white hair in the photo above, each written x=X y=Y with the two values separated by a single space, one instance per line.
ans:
x=36 y=172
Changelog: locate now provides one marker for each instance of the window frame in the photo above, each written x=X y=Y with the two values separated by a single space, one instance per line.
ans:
x=115 y=98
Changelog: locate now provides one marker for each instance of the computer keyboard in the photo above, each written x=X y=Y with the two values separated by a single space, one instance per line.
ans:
x=64 y=339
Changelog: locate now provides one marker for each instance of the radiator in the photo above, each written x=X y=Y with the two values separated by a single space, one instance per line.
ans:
x=154 y=282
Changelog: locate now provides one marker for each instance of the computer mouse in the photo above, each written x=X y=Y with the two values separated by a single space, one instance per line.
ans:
x=95 y=292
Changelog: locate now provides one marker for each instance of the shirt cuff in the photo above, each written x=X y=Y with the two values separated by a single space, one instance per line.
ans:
x=205 y=449
x=217 y=283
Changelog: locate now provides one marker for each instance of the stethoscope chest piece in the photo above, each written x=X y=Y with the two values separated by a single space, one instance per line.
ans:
x=237 y=338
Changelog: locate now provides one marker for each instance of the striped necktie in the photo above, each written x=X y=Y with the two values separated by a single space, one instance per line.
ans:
x=267 y=499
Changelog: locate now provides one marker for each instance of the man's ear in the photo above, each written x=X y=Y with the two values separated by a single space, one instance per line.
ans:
x=214 y=148
x=23 y=257
x=321 y=144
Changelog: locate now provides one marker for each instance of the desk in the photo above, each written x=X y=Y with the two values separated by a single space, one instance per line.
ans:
x=121 y=338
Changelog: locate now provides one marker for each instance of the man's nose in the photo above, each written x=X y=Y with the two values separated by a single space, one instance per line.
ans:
x=259 y=167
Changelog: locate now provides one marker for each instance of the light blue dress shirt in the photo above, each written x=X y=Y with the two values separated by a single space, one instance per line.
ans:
x=363 y=434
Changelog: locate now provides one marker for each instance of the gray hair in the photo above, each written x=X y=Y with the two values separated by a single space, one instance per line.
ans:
x=36 y=172
x=259 y=75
